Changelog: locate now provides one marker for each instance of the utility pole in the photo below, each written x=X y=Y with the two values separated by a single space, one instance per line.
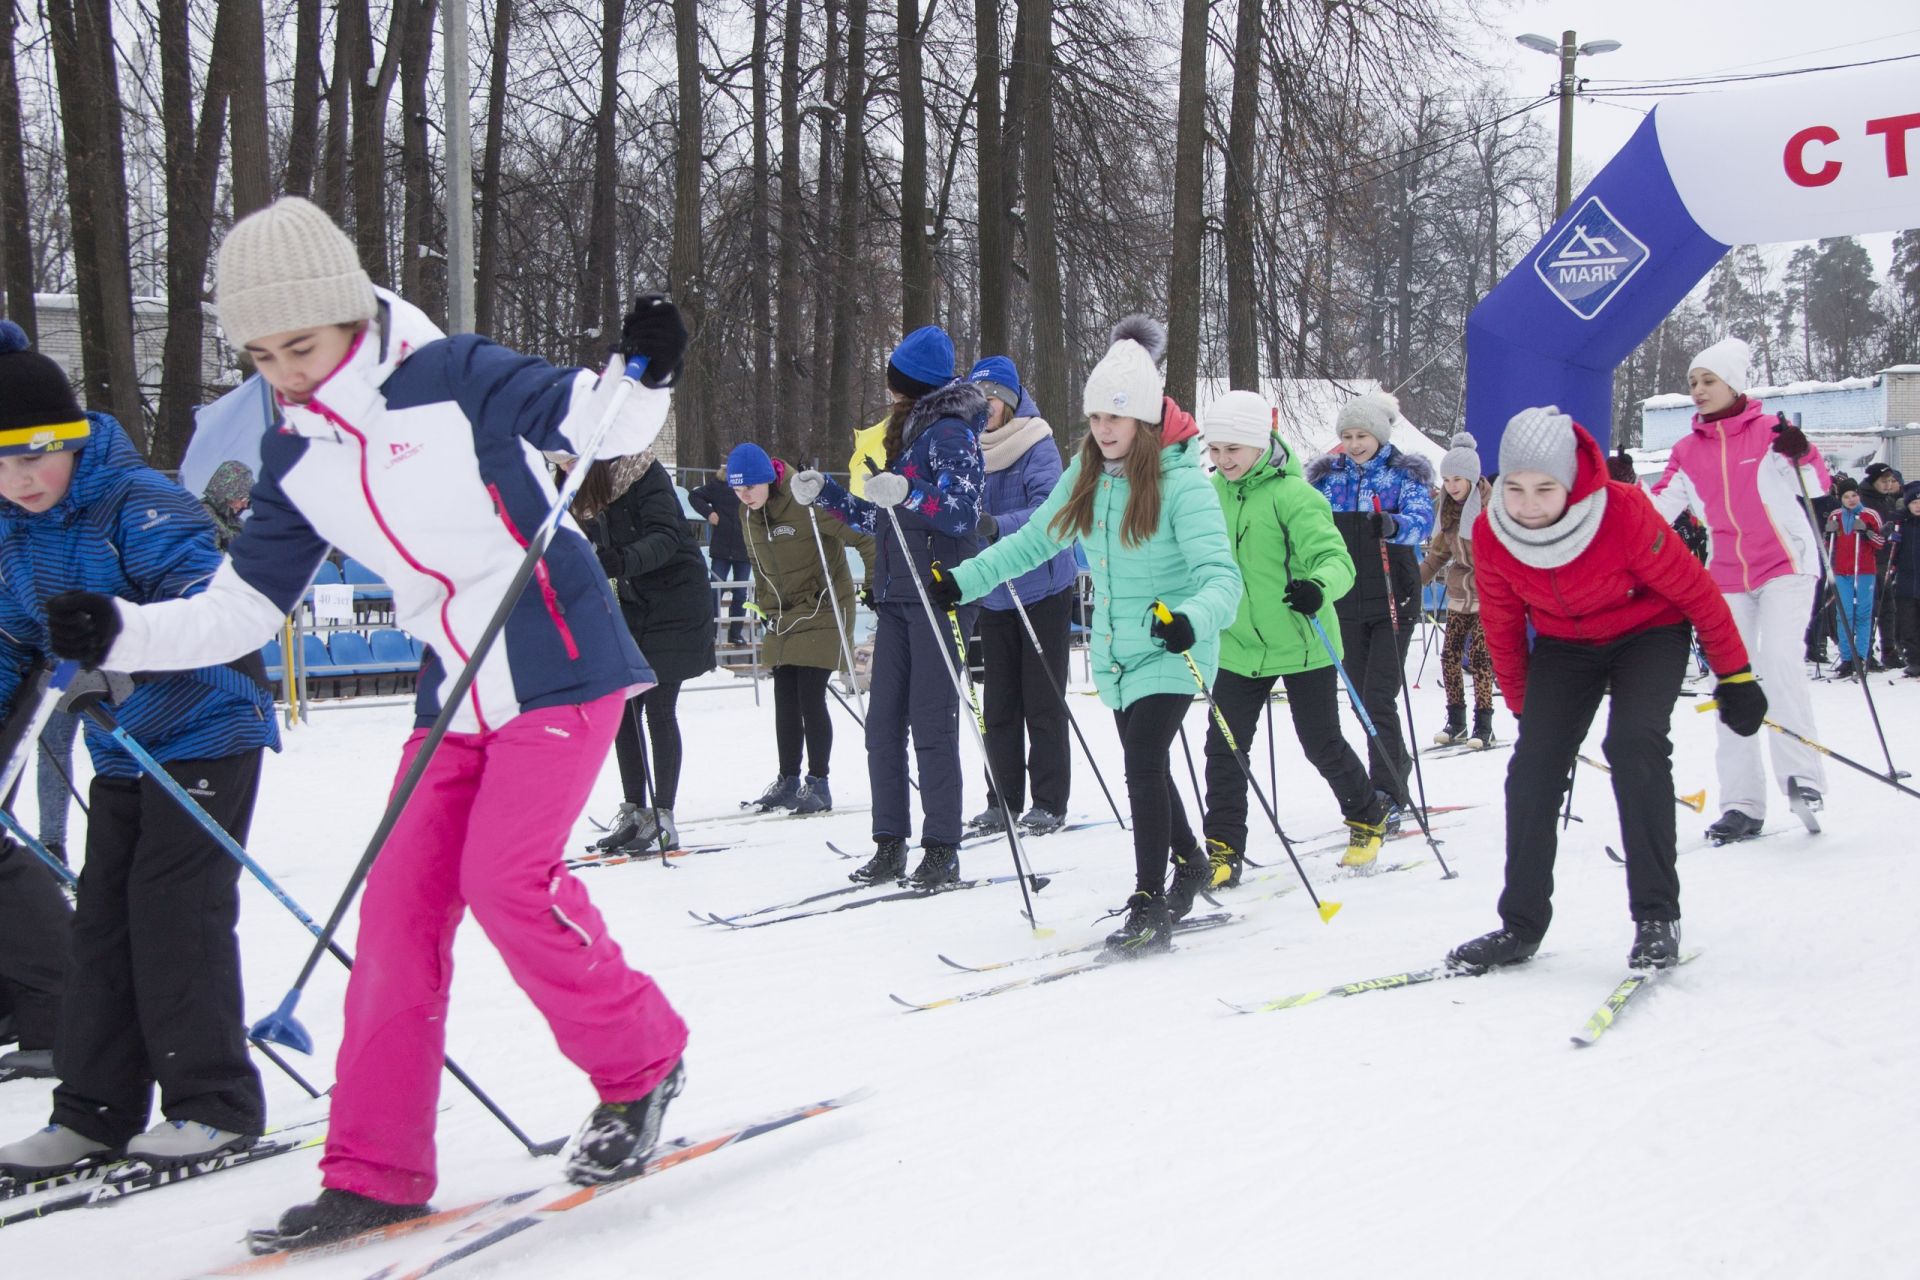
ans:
x=459 y=140
x=1569 y=50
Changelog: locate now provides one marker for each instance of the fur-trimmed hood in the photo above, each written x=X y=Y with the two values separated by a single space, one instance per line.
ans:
x=1416 y=467
x=959 y=400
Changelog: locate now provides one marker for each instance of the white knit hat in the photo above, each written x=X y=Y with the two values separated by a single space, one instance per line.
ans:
x=1373 y=413
x=288 y=267
x=1127 y=380
x=1238 y=417
x=1540 y=439
x=1727 y=360
x=1462 y=460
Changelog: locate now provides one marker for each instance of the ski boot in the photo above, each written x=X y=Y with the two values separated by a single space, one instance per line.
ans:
x=1734 y=826
x=176 y=1142
x=815 y=797
x=889 y=862
x=1844 y=670
x=988 y=822
x=53 y=1150
x=1391 y=815
x=1227 y=864
x=783 y=794
x=9 y=1034
x=939 y=869
x=1490 y=950
x=26 y=1064
x=1482 y=736
x=1805 y=802
x=1147 y=928
x=1656 y=944
x=335 y=1216
x=1192 y=874
x=622 y=830
x=656 y=831
x=1041 y=822
x=619 y=1136
x=1911 y=671
x=1365 y=835
x=1455 y=729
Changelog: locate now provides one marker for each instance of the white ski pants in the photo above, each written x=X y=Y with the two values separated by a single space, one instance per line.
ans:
x=1773 y=623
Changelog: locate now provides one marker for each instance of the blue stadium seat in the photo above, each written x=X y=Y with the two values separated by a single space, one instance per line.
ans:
x=392 y=651
x=313 y=652
x=270 y=655
x=366 y=583
x=351 y=654
x=329 y=574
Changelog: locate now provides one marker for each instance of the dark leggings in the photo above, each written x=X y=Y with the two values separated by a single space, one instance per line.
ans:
x=800 y=714
x=1147 y=729
x=663 y=727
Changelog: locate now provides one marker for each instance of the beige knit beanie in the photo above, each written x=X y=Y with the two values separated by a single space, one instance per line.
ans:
x=288 y=267
x=1374 y=413
x=1127 y=381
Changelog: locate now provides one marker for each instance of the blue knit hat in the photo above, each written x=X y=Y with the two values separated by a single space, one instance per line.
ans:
x=749 y=464
x=998 y=380
x=922 y=362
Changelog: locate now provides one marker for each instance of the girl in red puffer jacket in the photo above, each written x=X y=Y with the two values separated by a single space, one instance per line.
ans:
x=1609 y=589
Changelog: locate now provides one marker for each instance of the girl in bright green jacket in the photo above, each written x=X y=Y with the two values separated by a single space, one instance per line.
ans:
x=1295 y=566
x=1135 y=498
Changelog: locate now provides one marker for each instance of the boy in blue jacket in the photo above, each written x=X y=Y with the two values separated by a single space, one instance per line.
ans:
x=153 y=992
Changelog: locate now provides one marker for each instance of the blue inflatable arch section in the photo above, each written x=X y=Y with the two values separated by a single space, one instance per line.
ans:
x=1702 y=174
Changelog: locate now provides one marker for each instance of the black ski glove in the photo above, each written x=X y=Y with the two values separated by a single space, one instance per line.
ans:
x=82 y=626
x=1743 y=705
x=942 y=589
x=1384 y=525
x=1303 y=595
x=653 y=328
x=612 y=563
x=987 y=528
x=1176 y=633
x=1790 y=441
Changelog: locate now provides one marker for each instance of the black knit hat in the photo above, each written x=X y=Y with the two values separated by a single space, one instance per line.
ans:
x=1844 y=484
x=38 y=411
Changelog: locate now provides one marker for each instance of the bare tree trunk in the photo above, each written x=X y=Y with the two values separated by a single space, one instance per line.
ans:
x=303 y=128
x=994 y=273
x=371 y=92
x=193 y=166
x=687 y=281
x=596 y=318
x=760 y=235
x=490 y=214
x=1243 y=344
x=824 y=275
x=89 y=87
x=1043 y=250
x=16 y=223
x=916 y=251
x=417 y=215
x=848 y=360
x=1189 y=191
x=331 y=191
x=794 y=404
x=245 y=71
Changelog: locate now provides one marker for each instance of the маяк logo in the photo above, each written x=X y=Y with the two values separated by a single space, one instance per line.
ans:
x=1590 y=260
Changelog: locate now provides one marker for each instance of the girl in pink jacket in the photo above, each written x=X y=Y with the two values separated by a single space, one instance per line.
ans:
x=1742 y=472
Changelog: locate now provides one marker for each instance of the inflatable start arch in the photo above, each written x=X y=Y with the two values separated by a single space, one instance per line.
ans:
x=1832 y=155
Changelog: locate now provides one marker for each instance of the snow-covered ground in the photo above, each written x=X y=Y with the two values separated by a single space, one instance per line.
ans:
x=1753 y=1116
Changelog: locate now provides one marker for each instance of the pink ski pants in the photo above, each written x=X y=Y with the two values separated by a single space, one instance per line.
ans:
x=485 y=831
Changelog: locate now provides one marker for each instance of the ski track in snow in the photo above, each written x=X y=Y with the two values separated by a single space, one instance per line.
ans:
x=1751 y=1117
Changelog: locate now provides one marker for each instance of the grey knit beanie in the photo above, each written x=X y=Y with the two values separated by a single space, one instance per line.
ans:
x=1539 y=440
x=1373 y=413
x=288 y=267
x=1462 y=460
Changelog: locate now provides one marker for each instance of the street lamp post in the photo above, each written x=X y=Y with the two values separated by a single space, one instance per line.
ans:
x=1568 y=50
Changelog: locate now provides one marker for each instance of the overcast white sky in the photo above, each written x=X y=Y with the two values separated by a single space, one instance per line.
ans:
x=1661 y=39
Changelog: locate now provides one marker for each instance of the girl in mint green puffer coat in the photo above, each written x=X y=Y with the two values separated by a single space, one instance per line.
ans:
x=1135 y=498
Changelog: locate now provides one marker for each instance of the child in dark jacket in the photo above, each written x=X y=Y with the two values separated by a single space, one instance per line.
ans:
x=153 y=993
x=1904 y=585
x=1609 y=589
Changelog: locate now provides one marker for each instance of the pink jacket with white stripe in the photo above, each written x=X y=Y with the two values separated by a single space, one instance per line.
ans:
x=1747 y=496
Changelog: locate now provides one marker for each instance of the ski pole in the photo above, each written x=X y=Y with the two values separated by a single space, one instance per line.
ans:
x=963 y=689
x=1860 y=655
x=1360 y=709
x=65 y=875
x=1573 y=773
x=1829 y=752
x=281 y=1026
x=1696 y=801
x=1326 y=909
x=98 y=713
x=833 y=603
x=1412 y=743
x=41 y=699
x=1033 y=638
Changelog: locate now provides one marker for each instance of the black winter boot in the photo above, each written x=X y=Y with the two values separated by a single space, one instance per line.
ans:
x=1455 y=729
x=1147 y=929
x=335 y=1216
x=1656 y=944
x=988 y=822
x=815 y=796
x=619 y=1136
x=889 y=862
x=1489 y=950
x=1191 y=873
x=939 y=868
x=783 y=794
x=1733 y=826
x=1482 y=736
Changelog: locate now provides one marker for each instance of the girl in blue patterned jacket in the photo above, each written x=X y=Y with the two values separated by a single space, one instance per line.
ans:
x=1380 y=496
x=153 y=992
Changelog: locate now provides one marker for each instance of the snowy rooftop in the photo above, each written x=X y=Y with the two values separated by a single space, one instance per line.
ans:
x=1309 y=406
x=1805 y=388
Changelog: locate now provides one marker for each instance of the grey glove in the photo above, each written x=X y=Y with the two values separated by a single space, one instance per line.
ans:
x=888 y=489
x=806 y=486
x=112 y=687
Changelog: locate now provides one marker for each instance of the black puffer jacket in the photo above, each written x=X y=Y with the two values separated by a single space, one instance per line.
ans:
x=716 y=497
x=662 y=584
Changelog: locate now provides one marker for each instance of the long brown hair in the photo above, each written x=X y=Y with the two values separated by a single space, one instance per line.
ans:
x=1075 y=518
x=596 y=491
x=897 y=414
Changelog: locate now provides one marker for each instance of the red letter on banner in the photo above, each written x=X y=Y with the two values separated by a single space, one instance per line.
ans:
x=1896 y=128
x=1796 y=157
